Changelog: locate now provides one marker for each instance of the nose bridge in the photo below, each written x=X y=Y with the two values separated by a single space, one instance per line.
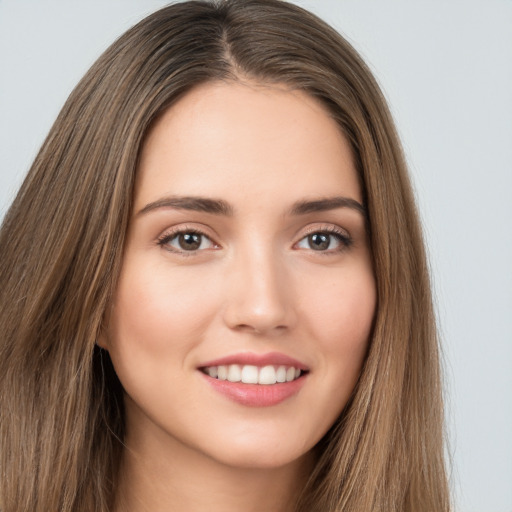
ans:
x=258 y=294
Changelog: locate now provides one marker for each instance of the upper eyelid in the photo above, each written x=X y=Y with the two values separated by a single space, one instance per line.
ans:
x=169 y=234
x=188 y=228
x=322 y=227
x=344 y=237
x=316 y=227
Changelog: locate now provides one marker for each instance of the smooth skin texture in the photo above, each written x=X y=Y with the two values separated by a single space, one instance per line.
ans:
x=260 y=274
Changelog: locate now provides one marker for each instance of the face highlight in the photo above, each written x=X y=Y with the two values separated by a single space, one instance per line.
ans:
x=246 y=297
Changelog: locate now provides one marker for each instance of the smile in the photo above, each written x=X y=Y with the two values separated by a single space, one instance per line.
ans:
x=251 y=374
x=256 y=380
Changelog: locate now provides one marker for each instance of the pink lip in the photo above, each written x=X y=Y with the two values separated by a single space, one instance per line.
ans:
x=256 y=395
x=270 y=358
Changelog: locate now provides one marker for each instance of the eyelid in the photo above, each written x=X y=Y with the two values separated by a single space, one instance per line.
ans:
x=323 y=227
x=342 y=234
x=174 y=231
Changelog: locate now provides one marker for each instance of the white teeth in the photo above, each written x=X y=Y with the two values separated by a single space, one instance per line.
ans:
x=281 y=374
x=222 y=373
x=267 y=375
x=234 y=373
x=250 y=374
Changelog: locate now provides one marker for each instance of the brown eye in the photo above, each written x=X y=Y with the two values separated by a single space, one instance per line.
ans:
x=325 y=241
x=189 y=241
x=186 y=241
x=319 y=241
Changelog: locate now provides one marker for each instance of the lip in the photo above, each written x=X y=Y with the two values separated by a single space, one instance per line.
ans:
x=270 y=358
x=256 y=395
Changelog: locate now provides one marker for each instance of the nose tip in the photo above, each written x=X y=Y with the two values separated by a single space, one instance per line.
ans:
x=258 y=322
x=259 y=303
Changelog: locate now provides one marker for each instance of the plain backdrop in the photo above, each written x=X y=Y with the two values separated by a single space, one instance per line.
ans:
x=446 y=68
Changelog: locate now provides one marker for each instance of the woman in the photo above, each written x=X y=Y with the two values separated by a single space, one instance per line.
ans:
x=214 y=291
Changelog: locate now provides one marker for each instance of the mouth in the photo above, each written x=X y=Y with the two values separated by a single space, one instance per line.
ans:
x=251 y=374
x=256 y=380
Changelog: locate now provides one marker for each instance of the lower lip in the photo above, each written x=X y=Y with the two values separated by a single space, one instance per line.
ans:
x=256 y=395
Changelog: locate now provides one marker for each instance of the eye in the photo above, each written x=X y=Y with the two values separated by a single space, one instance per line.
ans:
x=325 y=241
x=186 y=241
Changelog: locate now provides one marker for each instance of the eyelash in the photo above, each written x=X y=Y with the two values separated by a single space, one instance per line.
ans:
x=342 y=237
x=169 y=236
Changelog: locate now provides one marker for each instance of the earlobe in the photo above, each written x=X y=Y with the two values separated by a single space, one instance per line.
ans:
x=102 y=333
x=102 y=341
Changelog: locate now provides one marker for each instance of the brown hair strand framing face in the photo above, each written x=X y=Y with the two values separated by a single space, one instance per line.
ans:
x=61 y=247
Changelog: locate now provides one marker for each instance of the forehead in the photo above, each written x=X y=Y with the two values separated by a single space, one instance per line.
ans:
x=234 y=140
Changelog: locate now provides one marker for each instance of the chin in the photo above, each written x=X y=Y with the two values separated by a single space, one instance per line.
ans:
x=261 y=452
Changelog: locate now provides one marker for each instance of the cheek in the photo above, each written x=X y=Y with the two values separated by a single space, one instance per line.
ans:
x=157 y=319
x=340 y=319
x=337 y=313
x=342 y=311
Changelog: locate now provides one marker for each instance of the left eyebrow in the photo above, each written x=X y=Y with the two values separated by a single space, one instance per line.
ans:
x=329 y=203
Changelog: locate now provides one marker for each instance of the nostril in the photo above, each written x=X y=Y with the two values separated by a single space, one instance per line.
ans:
x=254 y=329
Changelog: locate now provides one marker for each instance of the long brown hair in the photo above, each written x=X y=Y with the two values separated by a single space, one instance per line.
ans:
x=61 y=246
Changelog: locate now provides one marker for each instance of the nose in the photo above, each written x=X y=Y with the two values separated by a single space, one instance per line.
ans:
x=259 y=294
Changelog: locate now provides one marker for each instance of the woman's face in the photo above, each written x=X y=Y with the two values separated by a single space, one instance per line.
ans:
x=247 y=259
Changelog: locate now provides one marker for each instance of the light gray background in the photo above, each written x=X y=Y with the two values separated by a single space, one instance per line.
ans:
x=446 y=68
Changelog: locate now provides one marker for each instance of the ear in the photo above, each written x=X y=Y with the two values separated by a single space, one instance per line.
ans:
x=102 y=336
x=102 y=341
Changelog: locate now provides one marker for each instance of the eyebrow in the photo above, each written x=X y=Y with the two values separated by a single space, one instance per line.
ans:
x=329 y=203
x=221 y=207
x=197 y=204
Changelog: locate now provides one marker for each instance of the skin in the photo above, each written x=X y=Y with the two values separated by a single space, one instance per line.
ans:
x=255 y=284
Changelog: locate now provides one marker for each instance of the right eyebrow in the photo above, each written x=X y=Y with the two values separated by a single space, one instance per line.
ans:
x=193 y=203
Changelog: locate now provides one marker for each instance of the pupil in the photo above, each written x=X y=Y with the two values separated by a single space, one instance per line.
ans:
x=189 y=241
x=319 y=241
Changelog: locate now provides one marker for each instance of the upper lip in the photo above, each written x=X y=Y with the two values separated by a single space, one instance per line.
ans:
x=250 y=358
